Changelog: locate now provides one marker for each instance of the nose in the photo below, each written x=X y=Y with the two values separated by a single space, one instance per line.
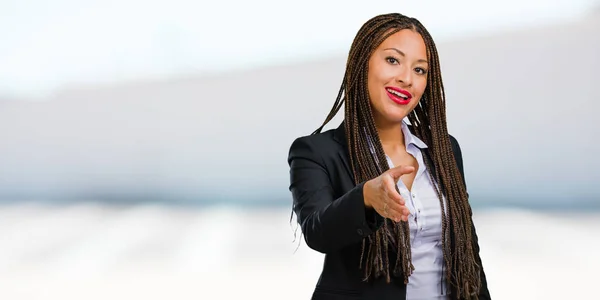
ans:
x=404 y=75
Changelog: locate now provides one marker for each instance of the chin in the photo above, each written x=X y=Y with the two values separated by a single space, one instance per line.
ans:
x=397 y=114
x=393 y=119
x=390 y=112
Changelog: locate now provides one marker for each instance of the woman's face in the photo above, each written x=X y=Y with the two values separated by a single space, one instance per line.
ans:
x=397 y=76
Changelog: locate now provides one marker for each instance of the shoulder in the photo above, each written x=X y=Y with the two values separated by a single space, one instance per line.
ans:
x=314 y=145
x=456 y=150
x=457 y=154
x=455 y=145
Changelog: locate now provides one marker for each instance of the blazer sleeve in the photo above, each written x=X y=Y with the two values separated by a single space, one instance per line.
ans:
x=484 y=293
x=328 y=223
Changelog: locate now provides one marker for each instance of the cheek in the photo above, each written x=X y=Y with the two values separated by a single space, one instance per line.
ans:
x=374 y=86
x=420 y=87
x=378 y=78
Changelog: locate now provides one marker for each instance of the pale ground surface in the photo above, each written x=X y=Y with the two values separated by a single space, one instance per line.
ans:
x=91 y=251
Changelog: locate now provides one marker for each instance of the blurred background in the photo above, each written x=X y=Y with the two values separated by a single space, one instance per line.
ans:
x=144 y=143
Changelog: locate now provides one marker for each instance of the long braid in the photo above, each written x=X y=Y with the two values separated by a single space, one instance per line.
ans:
x=368 y=160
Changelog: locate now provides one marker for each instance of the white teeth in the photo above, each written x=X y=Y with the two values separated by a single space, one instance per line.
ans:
x=397 y=93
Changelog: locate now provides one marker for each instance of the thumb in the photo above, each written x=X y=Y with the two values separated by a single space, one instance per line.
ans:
x=398 y=171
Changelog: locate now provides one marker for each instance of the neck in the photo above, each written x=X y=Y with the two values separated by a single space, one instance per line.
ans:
x=391 y=136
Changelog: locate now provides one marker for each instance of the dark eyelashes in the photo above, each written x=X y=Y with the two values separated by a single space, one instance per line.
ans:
x=393 y=60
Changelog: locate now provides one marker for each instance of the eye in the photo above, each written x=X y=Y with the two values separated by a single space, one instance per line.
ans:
x=392 y=60
x=421 y=71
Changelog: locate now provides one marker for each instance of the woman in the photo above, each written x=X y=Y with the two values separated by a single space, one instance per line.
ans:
x=370 y=194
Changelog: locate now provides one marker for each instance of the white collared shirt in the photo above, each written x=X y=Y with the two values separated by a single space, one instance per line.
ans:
x=425 y=222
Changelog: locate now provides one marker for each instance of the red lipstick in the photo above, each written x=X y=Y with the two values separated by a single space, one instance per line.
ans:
x=396 y=94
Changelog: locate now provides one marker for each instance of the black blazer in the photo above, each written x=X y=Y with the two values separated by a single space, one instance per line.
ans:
x=331 y=213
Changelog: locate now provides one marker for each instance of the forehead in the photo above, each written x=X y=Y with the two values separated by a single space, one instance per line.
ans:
x=408 y=41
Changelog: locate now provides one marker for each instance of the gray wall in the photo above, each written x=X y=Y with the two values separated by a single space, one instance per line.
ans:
x=520 y=103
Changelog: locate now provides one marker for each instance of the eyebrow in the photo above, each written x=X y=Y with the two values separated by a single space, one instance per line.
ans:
x=403 y=55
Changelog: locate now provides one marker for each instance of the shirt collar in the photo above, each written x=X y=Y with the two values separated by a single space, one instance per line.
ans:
x=410 y=138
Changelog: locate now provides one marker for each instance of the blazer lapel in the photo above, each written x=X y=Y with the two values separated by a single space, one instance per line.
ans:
x=426 y=152
x=339 y=135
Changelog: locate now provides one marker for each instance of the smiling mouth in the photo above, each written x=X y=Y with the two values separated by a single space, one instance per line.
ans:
x=399 y=96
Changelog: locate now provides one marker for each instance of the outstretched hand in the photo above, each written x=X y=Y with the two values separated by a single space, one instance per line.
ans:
x=380 y=194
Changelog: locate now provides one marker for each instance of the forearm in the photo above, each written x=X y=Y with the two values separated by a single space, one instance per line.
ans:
x=340 y=223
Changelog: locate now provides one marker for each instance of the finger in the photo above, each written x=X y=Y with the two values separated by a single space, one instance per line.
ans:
x=393 y=211
x=397 y=212
x=397 y=172
x=405 y=214
x=392 y=215
x=385 y=211
x=391 y=193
